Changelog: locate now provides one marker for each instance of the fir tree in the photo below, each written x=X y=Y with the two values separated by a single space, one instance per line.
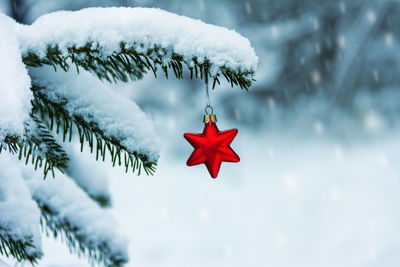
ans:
x=47 y=101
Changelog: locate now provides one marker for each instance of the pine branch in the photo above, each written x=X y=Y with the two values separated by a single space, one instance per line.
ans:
x=37 y=147
x=128 y=64
x=59 y=119
x=48 y=149
x=73 y=237
x=18 y=249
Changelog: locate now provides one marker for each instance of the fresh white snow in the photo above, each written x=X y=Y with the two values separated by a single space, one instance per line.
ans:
x=15 y=94
x=141 y=29
x=3 y=264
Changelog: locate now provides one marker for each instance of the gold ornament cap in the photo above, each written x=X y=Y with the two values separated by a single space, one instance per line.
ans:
x=208 y=117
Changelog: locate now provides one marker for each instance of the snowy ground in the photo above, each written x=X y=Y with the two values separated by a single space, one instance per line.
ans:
x=287 y=203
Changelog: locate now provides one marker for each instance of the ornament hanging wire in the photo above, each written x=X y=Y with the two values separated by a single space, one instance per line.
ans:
x=209 y=110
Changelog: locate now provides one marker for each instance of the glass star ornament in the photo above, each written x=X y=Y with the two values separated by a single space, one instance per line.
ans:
x=212 y=147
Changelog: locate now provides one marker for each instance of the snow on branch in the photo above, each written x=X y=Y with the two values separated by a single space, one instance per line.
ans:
x=69 y=213
x=19 y=215
x=105 y=120
x=125 y=43
x=15 y=95
x=87 y=174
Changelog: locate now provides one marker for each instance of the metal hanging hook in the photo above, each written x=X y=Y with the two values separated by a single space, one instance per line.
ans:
x=209 y=110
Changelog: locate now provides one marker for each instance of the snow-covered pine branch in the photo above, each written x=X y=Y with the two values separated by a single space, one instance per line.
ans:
x=15 y=95
x=106 y=121
x=68 y=212
x=125 y=43
x=19 y=234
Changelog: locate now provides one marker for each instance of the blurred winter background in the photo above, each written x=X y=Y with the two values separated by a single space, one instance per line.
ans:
x=319 y=179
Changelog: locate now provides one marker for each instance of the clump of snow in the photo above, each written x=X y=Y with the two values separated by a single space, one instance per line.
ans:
x=15 y=94
x=140 y=29
x=92 y=99
x=19 y=214
x=3 y=264
x=69 y=204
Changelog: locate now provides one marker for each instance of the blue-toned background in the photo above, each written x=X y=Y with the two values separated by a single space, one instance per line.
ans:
x=319 y=179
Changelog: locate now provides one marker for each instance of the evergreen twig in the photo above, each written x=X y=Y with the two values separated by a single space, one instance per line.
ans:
x=58 y=118
x=128 y=64
x=37 y=147
x=51 y=224
x=18 y=249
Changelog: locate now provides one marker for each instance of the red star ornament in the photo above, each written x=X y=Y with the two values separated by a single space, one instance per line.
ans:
x=212 y=147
